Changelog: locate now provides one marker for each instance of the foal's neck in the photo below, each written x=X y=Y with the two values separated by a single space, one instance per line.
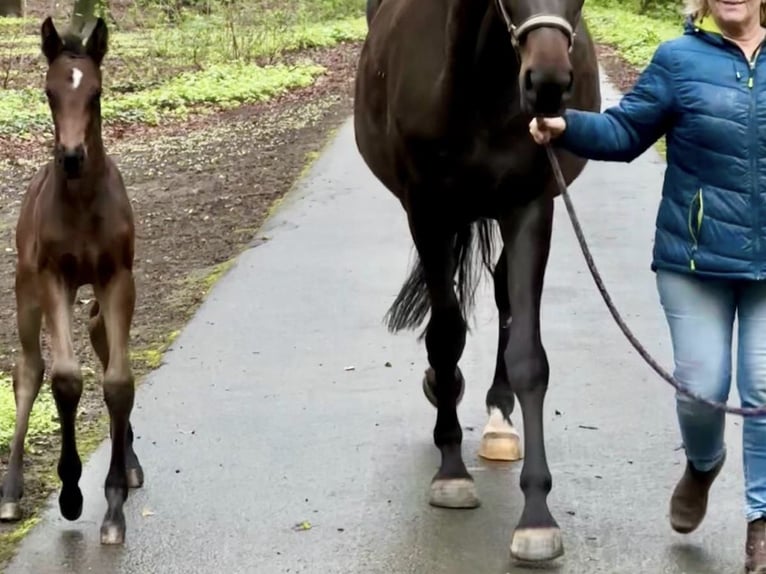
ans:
x=87 y=186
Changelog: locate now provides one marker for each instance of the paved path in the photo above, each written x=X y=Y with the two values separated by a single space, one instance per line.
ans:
x=254 y=423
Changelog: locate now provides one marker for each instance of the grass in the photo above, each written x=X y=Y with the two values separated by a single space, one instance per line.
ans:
x=43 y=420
x=200 y=63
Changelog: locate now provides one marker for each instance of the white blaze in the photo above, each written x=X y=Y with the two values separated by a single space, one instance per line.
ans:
x=76 y=78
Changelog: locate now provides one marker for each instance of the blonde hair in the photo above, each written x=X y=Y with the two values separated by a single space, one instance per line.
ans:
x=700 y=8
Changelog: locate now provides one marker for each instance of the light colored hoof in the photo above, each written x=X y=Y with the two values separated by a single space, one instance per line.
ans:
x=112 y=535
x=10 y=512
x=536 y=544
x=454 y=493
x=135 y=478
x=499 y=440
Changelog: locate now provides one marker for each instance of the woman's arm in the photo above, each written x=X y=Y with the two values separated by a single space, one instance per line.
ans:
x=626 y=130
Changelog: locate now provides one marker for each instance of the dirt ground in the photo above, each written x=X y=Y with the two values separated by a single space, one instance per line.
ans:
x=200 y=190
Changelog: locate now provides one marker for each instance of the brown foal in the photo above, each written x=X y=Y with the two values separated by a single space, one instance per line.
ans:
x=75 y=228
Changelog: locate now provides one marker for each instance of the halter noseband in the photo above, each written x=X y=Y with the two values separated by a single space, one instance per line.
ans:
x=534 y=22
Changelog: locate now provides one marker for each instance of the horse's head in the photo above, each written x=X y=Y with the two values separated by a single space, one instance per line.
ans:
x=73 y=89
x=542 y=32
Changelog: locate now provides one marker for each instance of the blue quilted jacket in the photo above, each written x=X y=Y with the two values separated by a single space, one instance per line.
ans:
x=709 y=99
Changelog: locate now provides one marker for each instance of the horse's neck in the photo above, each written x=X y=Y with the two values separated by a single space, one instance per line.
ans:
x=479 y=56
x=465 y=22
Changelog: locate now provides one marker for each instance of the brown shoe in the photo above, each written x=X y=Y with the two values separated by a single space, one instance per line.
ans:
x=755 y=561
x=689 y=501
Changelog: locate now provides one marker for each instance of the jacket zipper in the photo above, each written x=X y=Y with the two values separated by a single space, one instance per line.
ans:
x=698 y=225
x=754 y=159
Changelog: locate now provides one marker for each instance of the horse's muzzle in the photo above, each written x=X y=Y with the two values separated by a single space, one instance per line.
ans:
x=545 y=92
x=72 y=160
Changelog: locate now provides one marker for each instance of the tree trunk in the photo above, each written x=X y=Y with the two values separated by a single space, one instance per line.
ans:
x=11 y=7
x=83 y=16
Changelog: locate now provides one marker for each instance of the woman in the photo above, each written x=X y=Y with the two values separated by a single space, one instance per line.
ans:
x=706 y=91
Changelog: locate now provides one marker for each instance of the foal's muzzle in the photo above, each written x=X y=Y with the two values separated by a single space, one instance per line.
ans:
x=72 y=160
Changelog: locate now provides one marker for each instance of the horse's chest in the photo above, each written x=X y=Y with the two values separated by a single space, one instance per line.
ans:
x=81 y=254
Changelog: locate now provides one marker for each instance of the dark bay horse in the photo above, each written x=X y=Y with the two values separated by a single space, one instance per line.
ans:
x=445 y=91
x=75 y=228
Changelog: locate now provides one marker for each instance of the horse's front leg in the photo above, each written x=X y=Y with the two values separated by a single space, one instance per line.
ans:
x=527 y=237
x=117 y=301
x=500 y=440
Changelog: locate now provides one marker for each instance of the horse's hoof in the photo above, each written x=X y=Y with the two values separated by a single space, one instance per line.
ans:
x=112 y=534
x=70 y=502
x=536 y=544
x=453 y=493
x=429 y=386
x=499 y=440
x=10 y=511
x=135 y=477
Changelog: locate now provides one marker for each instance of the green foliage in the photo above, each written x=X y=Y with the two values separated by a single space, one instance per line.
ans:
x=202 y=62
x=218 y=87
x=634 y=35
x=43 y=421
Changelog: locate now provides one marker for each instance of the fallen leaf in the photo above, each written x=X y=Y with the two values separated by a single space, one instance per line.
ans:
x=350 y=368
x=301 y=526
x=146 y=512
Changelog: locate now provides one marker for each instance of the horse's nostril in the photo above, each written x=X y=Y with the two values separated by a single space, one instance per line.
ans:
x=529 y=80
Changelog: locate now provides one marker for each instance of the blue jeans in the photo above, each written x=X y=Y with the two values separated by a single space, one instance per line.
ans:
x=700 y=313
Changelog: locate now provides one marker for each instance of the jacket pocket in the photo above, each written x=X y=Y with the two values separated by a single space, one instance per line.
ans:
x=695 y=218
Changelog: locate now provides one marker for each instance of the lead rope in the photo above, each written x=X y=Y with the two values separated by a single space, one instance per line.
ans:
x=561 y=182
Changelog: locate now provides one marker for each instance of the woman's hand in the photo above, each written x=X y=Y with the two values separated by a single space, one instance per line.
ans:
x=544 y=130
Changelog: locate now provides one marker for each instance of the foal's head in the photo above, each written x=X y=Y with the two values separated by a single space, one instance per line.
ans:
x=543 y=34
x=73 y=88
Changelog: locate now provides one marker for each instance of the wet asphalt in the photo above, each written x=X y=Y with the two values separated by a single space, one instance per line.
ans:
x=277 y=406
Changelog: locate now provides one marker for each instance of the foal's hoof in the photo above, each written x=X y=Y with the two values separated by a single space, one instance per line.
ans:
x=70 y=502
x=10 y=511
x=453 y=493
x=499 y=440
x=112 y=533
x=536 y=544
x=429 y=386
x=135 y=477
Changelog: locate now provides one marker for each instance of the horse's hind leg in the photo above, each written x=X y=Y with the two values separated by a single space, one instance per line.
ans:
x=500 y=440
x=97 y=330
x=527 y=235
x=66 y=383
x=27 y=380
x=117 y=301
x=453 y=486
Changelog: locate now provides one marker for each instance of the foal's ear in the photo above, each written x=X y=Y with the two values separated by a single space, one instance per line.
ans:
x=52 y=45
x=98 y=42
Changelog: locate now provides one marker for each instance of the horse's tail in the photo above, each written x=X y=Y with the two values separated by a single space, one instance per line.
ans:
x=412 y=303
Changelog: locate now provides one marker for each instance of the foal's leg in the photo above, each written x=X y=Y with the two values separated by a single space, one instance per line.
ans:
x=500 y=441
x=117 y=302
x=27 y=379
x=452 y=486
x=97 y=330
x=66 y=383
x=527 y=235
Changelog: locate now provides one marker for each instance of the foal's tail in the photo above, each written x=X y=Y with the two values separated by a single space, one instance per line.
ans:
x=412 y=303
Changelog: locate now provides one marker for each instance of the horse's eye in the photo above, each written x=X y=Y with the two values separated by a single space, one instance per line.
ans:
x=95 y=97
x=49 y=94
